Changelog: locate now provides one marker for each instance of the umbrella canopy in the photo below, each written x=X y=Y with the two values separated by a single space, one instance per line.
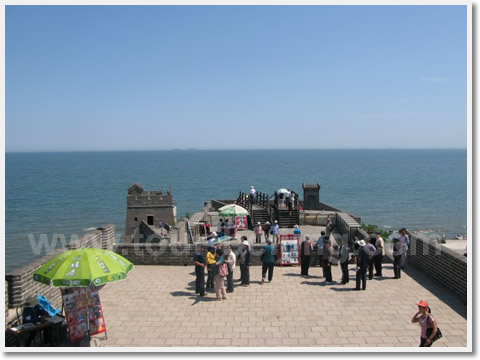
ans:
x=232 y=210
x=282 y=191
x=82 y=267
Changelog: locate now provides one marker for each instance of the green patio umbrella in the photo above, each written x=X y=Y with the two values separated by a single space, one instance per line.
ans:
x=232 y=210
x=83 y=267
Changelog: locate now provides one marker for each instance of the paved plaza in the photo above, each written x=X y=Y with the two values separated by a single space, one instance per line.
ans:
x=156 y=307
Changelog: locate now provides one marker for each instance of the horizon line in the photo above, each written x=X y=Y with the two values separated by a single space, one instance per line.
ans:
x=220 y=149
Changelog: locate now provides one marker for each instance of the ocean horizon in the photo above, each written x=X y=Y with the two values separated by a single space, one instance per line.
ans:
x=70 y=192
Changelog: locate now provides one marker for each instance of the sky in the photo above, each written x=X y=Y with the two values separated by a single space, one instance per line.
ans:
x=88 y=78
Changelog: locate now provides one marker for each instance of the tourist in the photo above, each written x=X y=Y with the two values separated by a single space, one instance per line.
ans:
x=328 y=226
x=380 y=245
x=362 y=265
x=370 y=249
x=220 y=274
x=200 y=264
x=292 y=203
x=266 y=230
x=258 y=233
x=343 y=258
x=397 y=258
x=275 y=231
x=240 y=250
x=210 y=265
x=306 y=250
x=230 y=260
x=320 y=249
x=244 y=260
x=427 y=323
x=405 y=243
x=252 y=194
x=296 y=230
x=327 y=260
x=220 y=227
x=268 y=261
x=290 y=200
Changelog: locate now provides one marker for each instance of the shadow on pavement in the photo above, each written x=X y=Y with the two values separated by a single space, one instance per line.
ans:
x=292 y=274
x=340 y=289
x=446 y=295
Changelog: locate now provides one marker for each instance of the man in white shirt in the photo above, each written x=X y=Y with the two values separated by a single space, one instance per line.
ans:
x=253 y=192
x=380 y=253
x=404 y=243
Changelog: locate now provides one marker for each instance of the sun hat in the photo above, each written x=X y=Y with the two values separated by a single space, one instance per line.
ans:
x=423 y=303
x=258 y=222
x=245 y=243
x=295 y=226
x=361 y=243
x=267 y=223
x=214 y=233
x=276 y=222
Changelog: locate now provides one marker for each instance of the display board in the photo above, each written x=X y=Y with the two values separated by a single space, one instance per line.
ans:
x=80 y=303
x=289 y=249
x=241 y=222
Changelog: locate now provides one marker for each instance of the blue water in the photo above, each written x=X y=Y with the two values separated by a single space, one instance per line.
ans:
x=67 y=193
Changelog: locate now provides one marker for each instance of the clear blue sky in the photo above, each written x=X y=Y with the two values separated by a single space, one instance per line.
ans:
x=216 y=77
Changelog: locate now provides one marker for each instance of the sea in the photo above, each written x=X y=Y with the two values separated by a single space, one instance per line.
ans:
x=69 y=193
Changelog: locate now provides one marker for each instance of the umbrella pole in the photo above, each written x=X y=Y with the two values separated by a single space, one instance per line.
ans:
x=88 y=315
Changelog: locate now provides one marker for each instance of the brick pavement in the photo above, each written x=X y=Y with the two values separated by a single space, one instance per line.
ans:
x=156 y=307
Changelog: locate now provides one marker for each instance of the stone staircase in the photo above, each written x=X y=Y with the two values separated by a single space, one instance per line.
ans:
x=259 y=214
x=286 y=221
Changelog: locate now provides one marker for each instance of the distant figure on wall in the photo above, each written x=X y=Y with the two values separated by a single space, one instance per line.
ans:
x=200 y=264
x=380 y=245
x=252 y=194
x=371 y=251
x=306 y=255
x=362 y=265
x=258 y=233
x=328 y=226
x=405 y=243
x=266 y=230
x=275 y=231
x=397 y=258
x=327 y=260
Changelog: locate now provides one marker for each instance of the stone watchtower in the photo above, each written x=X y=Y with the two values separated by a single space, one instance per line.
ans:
x=149 y=206
x=311 y=196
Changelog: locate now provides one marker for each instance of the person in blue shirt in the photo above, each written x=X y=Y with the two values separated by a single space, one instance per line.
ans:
x=275 y=231
x=296 y=230
x=268 y=260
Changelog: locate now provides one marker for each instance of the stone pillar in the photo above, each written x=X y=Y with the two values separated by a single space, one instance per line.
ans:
x=311 y=196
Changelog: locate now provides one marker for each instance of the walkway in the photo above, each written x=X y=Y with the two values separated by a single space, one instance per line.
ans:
x=156 y=307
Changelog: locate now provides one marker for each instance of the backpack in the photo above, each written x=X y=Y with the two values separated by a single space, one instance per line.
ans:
x=222 y=270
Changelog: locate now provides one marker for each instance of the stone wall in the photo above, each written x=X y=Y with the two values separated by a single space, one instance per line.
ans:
x=180 y=254
x=442 y=264
x=20 y=281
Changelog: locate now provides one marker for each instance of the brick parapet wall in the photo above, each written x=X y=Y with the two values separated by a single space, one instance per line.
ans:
x=181 y=254
x=20 y=281
x=444 y=265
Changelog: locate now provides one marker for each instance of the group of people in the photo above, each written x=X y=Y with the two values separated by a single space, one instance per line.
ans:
x=368 y=256
x=220 y=267
x=267 y=229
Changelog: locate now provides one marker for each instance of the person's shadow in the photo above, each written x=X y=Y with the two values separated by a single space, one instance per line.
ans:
x=197 y=299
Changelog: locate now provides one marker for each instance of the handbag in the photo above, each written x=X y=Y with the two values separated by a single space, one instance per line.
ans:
x=437 y=336
x=222 y=270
